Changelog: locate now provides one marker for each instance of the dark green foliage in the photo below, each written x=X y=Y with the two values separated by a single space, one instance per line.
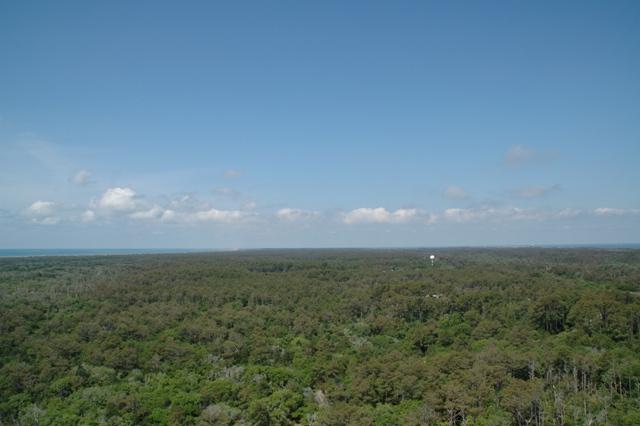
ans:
x=322 y=337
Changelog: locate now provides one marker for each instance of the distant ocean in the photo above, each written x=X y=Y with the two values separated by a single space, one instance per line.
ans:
x=89 y=252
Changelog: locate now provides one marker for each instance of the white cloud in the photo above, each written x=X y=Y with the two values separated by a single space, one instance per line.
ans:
x=121 y=199
x=378 y=215
x=567 y=213
x=215 y=215
x=457 y=215
x=41 y=208
x=41 y=211
x=169 y=216
x=47 y=220
x=152 y=213
x=431 y=218
x=88 y=216
x=461 y=215
x=185 y=201
x=454 y=192
x=610 y=211
x=479 y=214
x=516 y=213
x=250 y=205
x=295 y=215
x=82 y=177
x=209 y=215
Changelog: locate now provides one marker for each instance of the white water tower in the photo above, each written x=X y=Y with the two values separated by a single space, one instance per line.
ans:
x=433 y=259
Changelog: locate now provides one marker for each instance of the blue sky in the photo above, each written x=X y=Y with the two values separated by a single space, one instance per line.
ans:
x=319 y=124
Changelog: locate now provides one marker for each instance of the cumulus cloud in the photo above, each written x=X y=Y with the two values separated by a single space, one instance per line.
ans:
x=535 y=191
x=88 y=216
x=215 y=215
x=460 y=215
x=46 y=221
x=209 y=215
x=185 y=209
x=431 y=218
x=610 y=211
x=295 y=215
x=121 y=199
x=152 y=213
x=455 y=192
x=479 y=214
x=41 y=213
x=186 y=201
x=41 y=208
x=457 y=215
x=379 y=215
x=169 y=216
x=567 y=213
x=81 y=177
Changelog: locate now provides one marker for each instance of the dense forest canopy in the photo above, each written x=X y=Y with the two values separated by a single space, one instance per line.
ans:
x=323 y=337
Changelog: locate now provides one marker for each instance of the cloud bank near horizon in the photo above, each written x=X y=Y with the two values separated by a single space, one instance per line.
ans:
x=86 y=201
